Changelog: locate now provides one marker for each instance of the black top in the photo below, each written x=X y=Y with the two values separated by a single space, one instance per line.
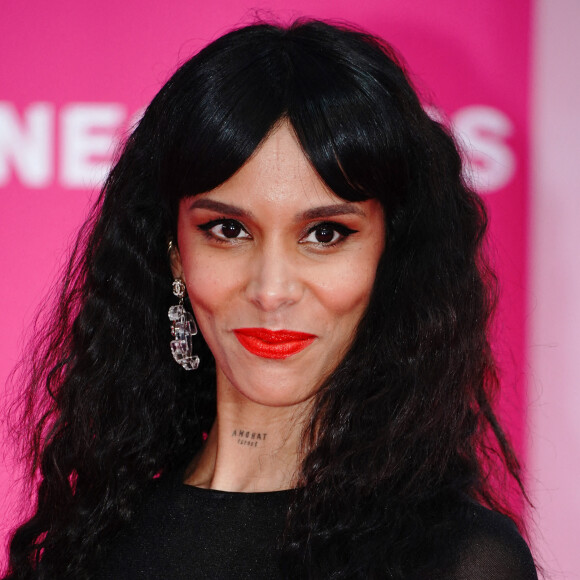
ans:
x=186 y=533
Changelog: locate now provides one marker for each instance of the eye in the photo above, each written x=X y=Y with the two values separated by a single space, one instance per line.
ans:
x=327 y=234
x=225 y=229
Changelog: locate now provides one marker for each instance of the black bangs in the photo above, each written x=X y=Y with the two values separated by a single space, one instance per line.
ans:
x=346 y=110
x=339 y=92
x=219 y=106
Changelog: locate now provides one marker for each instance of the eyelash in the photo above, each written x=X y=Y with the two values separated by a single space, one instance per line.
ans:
x=207 y=227
x=343 y=231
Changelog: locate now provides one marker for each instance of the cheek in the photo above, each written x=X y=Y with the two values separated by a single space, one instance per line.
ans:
x=210 y=297
x=208 y=284
x=348 y=292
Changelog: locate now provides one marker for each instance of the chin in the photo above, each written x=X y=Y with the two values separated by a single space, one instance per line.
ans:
x=274 y=389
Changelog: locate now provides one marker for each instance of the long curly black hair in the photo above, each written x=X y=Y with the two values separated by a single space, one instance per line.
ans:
x=400 y=429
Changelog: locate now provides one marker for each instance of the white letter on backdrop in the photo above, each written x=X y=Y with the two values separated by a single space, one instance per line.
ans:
x=87 y=142
x=483 y=130
x=27 y=146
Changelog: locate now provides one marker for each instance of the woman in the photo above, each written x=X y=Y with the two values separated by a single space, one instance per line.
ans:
x=333 y=416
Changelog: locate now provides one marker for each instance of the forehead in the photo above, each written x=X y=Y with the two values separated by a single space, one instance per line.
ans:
x=277 y=174
x=277 y=185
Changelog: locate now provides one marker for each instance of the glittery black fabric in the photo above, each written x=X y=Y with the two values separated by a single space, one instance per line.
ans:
x=187 y=533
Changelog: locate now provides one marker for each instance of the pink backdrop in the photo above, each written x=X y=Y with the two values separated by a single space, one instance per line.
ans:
x=554 y=288
x=74 y=77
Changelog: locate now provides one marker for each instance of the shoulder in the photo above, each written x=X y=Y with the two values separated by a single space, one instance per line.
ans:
x=489 y=547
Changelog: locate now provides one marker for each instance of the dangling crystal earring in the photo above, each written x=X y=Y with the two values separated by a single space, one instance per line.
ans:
x=183 y=327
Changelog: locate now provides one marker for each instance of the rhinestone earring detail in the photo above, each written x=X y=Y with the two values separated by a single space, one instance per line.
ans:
x=183 y=327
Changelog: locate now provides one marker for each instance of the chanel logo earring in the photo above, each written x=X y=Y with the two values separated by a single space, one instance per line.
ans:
x=183 y=327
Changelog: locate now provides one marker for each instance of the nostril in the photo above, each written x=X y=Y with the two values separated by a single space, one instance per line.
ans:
x=273 y=298
x=273 y=285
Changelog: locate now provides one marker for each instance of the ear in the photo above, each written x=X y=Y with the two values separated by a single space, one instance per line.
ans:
x=175 y=261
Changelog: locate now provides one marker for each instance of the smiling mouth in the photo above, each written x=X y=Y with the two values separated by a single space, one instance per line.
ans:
x=276 y=344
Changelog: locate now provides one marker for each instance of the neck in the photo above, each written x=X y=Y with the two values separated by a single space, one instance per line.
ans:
x=250 y=447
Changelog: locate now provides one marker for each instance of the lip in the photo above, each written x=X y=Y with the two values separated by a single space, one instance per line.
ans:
x=277 y=344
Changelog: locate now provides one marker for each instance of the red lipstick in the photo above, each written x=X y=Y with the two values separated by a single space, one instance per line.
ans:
x=273 y=343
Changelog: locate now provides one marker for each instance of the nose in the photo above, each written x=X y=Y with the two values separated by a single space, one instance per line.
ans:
x=274 y=280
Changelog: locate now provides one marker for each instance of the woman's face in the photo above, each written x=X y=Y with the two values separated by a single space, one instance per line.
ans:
x=279 y=271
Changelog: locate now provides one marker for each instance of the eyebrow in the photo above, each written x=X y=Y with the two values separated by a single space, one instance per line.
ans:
x=220 y=207
x=324 y=211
